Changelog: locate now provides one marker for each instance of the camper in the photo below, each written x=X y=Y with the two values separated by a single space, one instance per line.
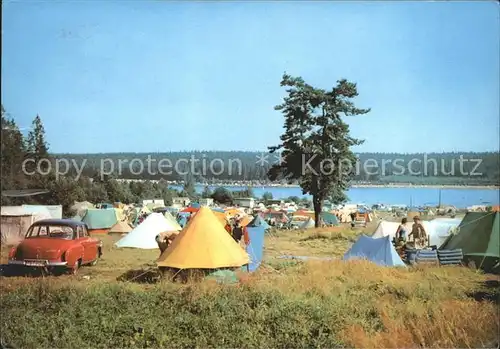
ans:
x=180 y=202
x=206 y=202
x=244 y=202
x=156 y=202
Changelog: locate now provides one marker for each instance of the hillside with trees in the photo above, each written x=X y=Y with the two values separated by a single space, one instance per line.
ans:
x=478 y=168
x=92 y=186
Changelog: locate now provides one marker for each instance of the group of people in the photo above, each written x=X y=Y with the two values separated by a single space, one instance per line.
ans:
x=142 y=217
x=418 y=233
x=237 y=231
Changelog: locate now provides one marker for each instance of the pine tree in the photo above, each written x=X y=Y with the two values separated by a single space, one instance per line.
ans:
x=189 y=189
x=38 y=148
x=207 y=193
x=317 y=143
x=13 y=154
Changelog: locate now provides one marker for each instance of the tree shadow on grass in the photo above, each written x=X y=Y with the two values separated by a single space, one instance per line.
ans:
x=489 y=291
x=7 y=270
x=141 y=276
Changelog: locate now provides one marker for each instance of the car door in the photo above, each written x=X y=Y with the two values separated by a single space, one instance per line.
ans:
x=89 y=248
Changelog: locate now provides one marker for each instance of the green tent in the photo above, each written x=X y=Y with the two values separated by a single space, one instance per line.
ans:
x=223 y=276
x=100 y=218
x=329 y=218
x=172 y=220
x=478 y=237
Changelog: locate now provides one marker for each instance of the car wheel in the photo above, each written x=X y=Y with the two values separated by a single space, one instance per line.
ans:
x=57 y=271
x=97 y=257
x=74 y=270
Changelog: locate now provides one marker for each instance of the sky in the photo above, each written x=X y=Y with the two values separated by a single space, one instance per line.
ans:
x=139 y=76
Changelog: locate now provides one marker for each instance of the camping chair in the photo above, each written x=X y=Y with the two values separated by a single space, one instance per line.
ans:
x=427 y=257
x=360 y=219
x=450 y=257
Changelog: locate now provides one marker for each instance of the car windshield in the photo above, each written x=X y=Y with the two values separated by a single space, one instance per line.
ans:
x=50 y=231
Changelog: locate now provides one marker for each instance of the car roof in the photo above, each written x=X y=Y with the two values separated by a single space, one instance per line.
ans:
x=67 y=222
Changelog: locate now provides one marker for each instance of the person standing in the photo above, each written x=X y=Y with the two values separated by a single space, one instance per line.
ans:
x=237 y=230
x=402 y=232
x=164 y=240
x=419 y=234
x=353 y=219
x=228 y=227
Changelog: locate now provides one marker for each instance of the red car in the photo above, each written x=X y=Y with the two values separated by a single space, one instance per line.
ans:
x=57 y=245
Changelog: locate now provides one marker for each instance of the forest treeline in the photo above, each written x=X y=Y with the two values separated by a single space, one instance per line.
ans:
x=471 y=168
x=27 y=164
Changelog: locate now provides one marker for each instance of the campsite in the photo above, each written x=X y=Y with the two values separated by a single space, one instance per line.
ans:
x=249 y=174
x=302 y=291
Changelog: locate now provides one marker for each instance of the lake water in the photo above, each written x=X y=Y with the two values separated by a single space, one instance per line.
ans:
x=460 y=198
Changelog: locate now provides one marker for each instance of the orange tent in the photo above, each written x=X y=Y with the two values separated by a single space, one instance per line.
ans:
x=232 y=211
x=304 y=213
x=246 y=220
x=203 y=244
x=220 y=215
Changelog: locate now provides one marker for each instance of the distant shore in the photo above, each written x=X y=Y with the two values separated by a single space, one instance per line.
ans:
x=493 y=187
x=393 y=185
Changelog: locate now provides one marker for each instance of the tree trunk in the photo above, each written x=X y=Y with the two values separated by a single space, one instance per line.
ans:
x=318 y=207
x=317 y=201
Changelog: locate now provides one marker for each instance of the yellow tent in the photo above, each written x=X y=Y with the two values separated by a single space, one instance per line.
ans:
x=120 y=216
x=203 y=244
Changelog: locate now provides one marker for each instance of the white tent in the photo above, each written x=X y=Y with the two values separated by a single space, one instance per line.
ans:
x=378 y=250
x=437 y=229
x=15 y=221
x=55 y=211
x=308 y=224
x=143 y=236
x=80 y=208
x=386 y=228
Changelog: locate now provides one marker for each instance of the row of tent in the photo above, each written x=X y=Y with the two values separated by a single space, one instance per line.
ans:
x=102 y=220
x=477 y=235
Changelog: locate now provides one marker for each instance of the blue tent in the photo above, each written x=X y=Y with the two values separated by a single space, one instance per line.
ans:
x=104 y=205
x=182 y=220
x=377 y=250
x=217 y=209
x=195 y=205
x=258 y=222
x=256 y=247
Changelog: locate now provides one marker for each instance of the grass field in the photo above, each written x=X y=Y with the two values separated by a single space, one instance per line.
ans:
x=286 y=303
